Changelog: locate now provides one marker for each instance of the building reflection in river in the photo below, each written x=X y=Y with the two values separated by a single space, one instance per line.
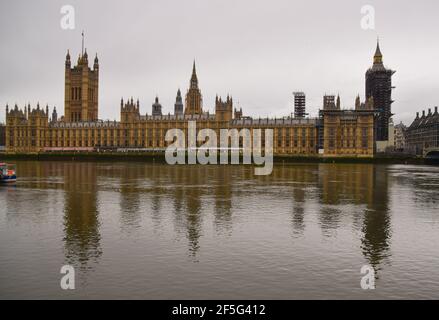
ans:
x=335 y=194
x=223 y=202
x=81 y=214
x=376 y=227
x=129 y=198
x=358 y=188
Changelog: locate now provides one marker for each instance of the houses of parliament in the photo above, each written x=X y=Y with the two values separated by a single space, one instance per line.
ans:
x=335 y=132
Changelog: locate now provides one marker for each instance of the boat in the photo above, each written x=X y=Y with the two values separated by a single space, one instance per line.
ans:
x=7 y=173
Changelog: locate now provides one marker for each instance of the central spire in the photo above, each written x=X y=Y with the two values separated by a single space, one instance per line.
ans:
x=194 y=99
x=194 y=79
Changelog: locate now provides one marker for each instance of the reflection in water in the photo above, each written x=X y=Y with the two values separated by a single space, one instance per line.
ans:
x=303 y=181
x=188 y=229
x=129 y=197
x=193 y=206
x=223 y=201
x=376 y=228
x=81 y=215
x=189 y=189
x=178 y=200
x=343 y=185
x=183 y=187
x=336 y=188
x=422 y=183
x=357 y=191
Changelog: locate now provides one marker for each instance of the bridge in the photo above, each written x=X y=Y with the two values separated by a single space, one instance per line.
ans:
x=431 y=153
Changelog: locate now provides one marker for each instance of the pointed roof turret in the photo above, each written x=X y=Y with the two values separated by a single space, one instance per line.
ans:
x=378 y=57
x=178 y=99
x=156 y=107
x=68 y=62
x=194 y=71
x=357 y=102
x=194 y=78
x=96 y=62
x=178 y=106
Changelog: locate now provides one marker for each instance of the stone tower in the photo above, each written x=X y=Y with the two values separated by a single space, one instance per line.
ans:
x=54 y=115
x=81 y=90
x=130 y=111
x=224 y=109
x=156 y=108
x=379 y=87
x=194 y=100
x=26 y=128
x=178 y=106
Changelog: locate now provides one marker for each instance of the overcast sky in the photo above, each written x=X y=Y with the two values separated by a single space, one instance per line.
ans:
x=258 y=51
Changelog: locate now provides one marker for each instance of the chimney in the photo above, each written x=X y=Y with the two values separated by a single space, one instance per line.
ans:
x=417 y=114
x=435 y=109
x=429 y=111
x=423 y=113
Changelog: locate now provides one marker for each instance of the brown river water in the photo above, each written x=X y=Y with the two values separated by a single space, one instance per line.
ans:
x=154 y=231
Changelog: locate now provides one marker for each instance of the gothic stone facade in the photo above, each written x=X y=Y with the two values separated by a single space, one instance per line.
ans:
x=423 y=133
x=346 y=133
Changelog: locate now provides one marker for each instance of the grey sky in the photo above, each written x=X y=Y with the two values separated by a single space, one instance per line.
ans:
x=258 y=51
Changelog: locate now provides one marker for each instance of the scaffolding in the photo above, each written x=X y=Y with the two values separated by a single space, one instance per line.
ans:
x=299 y=105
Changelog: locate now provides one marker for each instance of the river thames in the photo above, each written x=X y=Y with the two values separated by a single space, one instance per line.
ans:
x=154 y=231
